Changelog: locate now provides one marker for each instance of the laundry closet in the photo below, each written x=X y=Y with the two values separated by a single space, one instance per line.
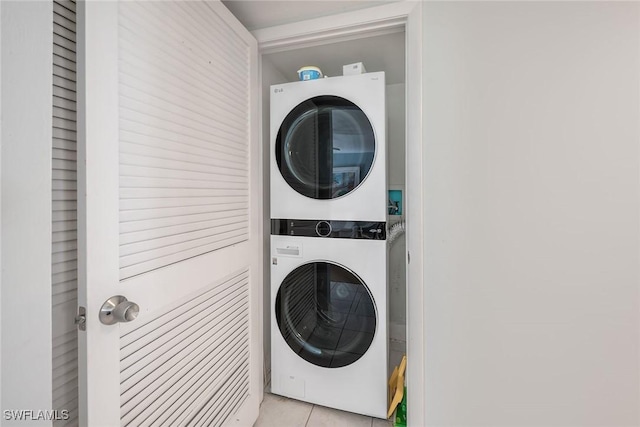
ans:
x=383 y=57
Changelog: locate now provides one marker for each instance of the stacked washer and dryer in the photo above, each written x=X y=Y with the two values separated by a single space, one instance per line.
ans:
x=329 y=338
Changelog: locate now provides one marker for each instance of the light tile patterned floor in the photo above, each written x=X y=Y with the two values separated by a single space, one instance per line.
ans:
x=278 y=411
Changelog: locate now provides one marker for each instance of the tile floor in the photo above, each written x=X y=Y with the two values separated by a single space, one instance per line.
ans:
x=278 y=411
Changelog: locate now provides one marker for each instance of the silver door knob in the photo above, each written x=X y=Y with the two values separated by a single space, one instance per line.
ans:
x=118 y=309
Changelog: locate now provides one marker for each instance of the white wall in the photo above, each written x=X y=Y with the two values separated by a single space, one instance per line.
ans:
x=396 y=132
x=26 y=205
x=531 y=119
x=1 y=127
x=396 y=171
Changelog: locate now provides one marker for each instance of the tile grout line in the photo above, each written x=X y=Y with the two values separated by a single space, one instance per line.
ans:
x=309 y=417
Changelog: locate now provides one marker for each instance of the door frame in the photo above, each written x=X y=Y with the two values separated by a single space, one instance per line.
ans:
x=401 y=16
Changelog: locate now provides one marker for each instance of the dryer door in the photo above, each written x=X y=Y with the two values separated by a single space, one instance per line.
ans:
x=325 y=147
x=326 y=314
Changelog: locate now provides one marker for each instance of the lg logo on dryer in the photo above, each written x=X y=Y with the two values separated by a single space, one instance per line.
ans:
x=276 y=90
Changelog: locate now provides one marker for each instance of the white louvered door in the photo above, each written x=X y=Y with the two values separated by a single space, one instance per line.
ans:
x=169 y=214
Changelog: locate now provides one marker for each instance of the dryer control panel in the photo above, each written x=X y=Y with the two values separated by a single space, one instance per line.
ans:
x=327 y=228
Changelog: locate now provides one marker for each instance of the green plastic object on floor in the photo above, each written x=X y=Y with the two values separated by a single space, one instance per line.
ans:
x=401 y=412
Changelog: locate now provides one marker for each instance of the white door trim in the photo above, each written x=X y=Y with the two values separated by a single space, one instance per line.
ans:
x=335 y=28
x=415 y=203
x=407 y=16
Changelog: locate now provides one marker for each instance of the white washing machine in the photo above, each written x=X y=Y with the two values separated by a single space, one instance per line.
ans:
x=328 y=149
x=329 y=314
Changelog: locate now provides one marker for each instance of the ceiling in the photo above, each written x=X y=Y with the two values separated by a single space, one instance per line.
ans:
x=255 y=14
x=378 y=53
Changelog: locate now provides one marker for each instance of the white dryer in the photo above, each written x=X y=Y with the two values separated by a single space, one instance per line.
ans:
x=329 y=314
x=328 y=149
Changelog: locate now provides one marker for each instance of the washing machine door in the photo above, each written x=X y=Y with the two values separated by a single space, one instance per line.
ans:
x=325 y=147
x=326 y=314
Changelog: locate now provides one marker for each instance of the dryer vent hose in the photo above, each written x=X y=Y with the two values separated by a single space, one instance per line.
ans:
x=395 y=231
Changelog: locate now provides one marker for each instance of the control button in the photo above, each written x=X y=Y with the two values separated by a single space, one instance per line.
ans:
x=323 y=228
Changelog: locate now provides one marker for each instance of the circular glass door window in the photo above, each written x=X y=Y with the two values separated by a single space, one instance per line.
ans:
x=326 y=314
x=325 y=147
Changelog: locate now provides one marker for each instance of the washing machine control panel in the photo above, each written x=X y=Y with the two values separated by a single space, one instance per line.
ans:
x=329 y=228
